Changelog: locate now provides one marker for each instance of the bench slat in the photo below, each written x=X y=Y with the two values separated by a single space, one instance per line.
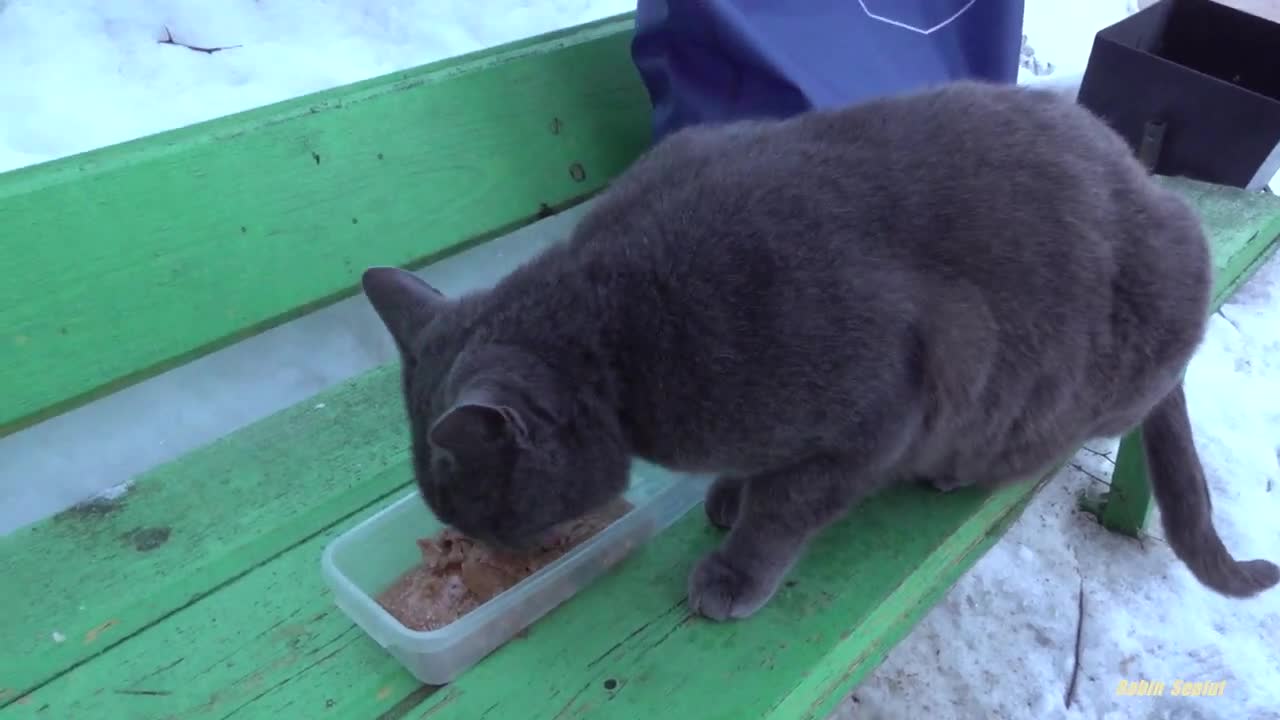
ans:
x=860 y=588
x=127 y=260
x=262 y=639
x=232 y=653
x=226 y=507
x=186 y=528
x=271 y=644
x=1242 y=227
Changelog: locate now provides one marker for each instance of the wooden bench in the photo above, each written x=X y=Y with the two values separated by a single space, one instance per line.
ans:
x=198 y=593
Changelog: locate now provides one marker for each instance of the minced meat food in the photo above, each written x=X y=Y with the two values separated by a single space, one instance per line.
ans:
x=458 y=574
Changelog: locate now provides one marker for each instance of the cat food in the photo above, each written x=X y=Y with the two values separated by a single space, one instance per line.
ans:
x=458 y=574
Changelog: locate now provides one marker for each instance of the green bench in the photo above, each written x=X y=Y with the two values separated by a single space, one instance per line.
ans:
x=198 y=593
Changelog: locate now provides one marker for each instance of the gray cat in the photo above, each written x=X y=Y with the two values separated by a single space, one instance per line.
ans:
x=959 y=286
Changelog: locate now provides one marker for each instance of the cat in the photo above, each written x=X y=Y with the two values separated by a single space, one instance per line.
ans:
x=959 y=285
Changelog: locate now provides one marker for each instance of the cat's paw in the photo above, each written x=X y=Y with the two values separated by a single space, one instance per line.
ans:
x=723 y=499
x=720 y=591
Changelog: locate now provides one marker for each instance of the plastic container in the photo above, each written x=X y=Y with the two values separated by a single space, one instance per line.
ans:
x=365 y=560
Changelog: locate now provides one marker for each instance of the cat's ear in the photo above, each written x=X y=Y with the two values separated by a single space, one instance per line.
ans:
x=476 y=428
x=404 y=301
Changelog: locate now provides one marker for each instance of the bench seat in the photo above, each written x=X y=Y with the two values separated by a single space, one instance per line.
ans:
x=197 y=592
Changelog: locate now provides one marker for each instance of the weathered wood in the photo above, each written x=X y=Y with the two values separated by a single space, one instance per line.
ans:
x=229 y=615
x=270 y=644
x=271 y=630
x=1126 y=506
x=192 y=525
x=236 y=502
x=1244 y=228
x=198 y=594
x=126 y=260
x=100 y=572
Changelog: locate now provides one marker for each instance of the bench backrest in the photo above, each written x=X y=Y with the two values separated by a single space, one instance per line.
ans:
x=122 y=262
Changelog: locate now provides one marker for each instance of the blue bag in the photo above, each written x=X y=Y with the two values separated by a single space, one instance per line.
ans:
x=707 y=61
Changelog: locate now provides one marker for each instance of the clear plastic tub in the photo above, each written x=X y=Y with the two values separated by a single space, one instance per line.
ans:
x=365 y=560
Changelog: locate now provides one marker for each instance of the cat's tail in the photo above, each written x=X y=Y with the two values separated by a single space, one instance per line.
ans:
x=1181 y=493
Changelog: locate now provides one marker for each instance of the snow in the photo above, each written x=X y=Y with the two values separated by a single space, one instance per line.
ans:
x=1065 y=39
x=114 y=492
x=92 y=73
x=1000 y=645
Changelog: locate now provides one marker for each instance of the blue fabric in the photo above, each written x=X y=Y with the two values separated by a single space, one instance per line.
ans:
x=706 y=61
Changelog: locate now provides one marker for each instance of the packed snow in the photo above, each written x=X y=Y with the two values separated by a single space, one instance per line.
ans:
x=80 y=75
x=1001 y=644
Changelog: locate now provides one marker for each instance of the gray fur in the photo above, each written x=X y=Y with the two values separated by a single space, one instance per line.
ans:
x=961 y=286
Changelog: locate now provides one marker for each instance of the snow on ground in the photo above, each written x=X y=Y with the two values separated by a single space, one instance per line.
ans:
x=1062 y=42
x=88 y=73
x=79 y=75
x=1001 y=644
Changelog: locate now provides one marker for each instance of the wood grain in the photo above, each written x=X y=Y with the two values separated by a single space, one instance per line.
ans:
x=126 y=260
x=466 y=147
x=100 y=572
x=199 y=595
x=270 y=644
x=229 y=613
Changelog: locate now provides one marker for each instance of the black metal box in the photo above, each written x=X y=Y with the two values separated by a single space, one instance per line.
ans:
x=1194 y=87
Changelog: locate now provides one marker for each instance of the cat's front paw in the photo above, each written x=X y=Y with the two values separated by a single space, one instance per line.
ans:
x=719 y=591
x=723 y=499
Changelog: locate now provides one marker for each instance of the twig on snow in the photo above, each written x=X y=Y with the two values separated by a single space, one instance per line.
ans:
x=168 y=40
x=1094 y=476
x=1104 y=456
x=1069 y=697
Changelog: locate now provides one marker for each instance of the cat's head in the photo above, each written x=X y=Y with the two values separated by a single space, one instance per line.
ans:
x=504 y=447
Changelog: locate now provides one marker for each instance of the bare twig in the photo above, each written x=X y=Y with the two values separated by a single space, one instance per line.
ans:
x=1104 y=456
x=168 y=40
x=1230 y=322
x=1077 y=466
x=1144 y=536
x=1069 y=697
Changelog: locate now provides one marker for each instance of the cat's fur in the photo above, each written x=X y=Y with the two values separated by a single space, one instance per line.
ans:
x=960 y=286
